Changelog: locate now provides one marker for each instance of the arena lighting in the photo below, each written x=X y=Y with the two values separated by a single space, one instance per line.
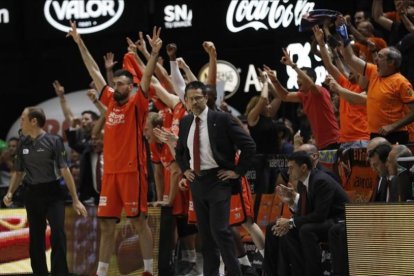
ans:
x=92 y=16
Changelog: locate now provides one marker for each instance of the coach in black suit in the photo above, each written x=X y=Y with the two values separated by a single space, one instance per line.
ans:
x=215 y=176
x=318 y=205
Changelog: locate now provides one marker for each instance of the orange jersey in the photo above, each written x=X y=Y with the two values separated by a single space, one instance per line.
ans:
x=387 y=97
x=161 y=153
x=124 y=149
x=353 y=118
x=178 y=113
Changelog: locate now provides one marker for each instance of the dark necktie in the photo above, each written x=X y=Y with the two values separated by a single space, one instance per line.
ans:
x=98 y=171
x=196 y=146
x=303 y=198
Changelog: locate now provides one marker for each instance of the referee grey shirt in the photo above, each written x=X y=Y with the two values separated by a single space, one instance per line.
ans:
x=41 y=158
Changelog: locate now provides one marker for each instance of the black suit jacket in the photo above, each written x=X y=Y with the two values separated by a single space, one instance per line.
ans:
x=326 y=200
x=226 y=137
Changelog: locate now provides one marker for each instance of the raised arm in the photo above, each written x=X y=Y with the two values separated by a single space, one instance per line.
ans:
x=183 y=65
x=98 y=126
x=60 y=92
x=160 y=71
x=156 y=44
x=254 y=114
x=286 y=60
x=109 y=67
x=280 y=90
x=87 y=58
x=327 y=62
x=176 y=76
x=378 y=15
x=350 y=58
x=212 y=63
x=347 y=95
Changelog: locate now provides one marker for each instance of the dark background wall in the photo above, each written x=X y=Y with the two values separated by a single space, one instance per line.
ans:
x=33 y=53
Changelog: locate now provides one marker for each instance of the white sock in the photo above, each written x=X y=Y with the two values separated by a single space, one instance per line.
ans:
x=261 y=252
x=245 y=261
x=102 y=269
x=148 y=265
x=221 y=268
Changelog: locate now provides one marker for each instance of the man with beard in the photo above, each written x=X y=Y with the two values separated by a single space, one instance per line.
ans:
x=124 y=182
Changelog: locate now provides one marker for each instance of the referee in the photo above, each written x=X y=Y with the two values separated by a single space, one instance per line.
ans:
x=41 y=160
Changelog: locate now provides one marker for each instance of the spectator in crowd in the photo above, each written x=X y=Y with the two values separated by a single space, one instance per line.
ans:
x=316 y=102
x=388 y=92
x=7 y=164
x=260 y=112
x=353 y=128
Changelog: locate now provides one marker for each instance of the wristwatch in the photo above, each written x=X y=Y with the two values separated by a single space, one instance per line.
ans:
x=291 y=223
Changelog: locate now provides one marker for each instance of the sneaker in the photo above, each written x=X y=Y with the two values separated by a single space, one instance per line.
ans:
x=183 y=268
x=248 y=271
x=146 y=273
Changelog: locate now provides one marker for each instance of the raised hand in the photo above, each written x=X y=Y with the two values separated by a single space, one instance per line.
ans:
x=286 y=60
x=73 y=32
x=333 y=85
x=272 y=74
x=92 y=94
x=319 y=35
x=263 y=77
x=59 y=89
x=209 y=48
x=141 y=44
x=181 y=63
x=172 y=51
x=109 y=61
x=155 y=41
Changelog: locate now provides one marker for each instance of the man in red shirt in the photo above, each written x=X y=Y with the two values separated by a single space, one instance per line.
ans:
x=124 y=183
x=316 y=102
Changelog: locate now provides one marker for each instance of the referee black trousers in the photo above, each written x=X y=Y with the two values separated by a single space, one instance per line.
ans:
x=44 y=203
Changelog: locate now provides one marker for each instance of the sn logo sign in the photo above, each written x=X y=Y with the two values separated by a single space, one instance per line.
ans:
x=177 y=16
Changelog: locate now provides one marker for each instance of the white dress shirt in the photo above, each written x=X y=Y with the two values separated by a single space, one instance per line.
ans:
x=206 y=154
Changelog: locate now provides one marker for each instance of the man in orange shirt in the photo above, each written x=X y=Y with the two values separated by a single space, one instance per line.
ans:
x=389 y=93
x=124 y=183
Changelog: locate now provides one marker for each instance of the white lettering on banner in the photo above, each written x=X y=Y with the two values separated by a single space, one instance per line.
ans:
x=300 y=54
x=92 y=15
x=4 y=16
x=243 y=14
x=252 y=79
x=177 y=16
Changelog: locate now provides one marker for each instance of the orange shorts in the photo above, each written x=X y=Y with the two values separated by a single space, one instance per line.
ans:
x=180 y=203
x=122 y=190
